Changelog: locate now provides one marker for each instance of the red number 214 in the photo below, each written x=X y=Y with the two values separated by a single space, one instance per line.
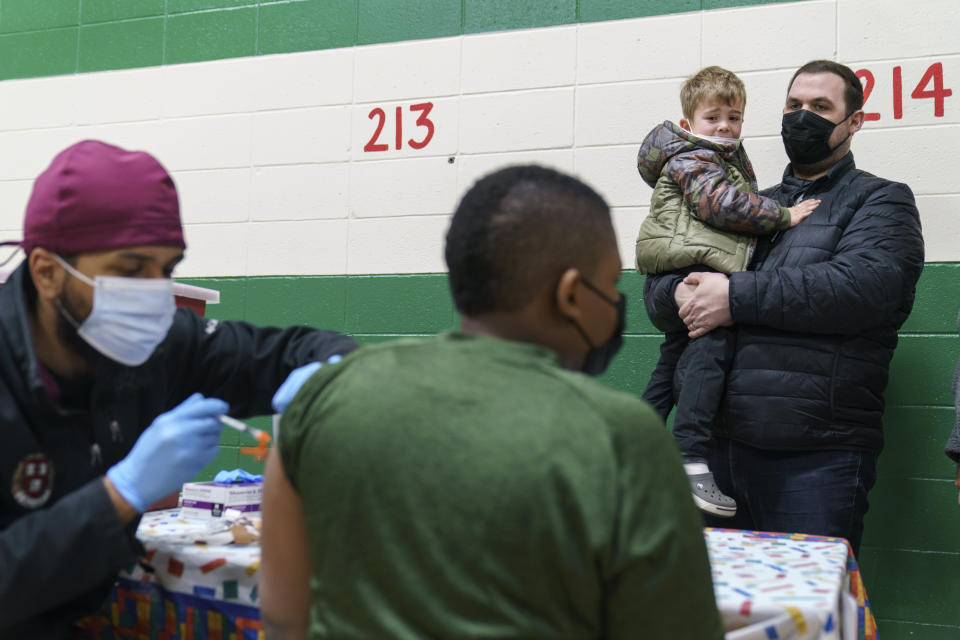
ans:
x=933 y=75
x=423 y=120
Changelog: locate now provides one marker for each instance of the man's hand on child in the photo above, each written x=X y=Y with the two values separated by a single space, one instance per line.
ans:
x=709 y=306
x=801 y=210
x=682 y=293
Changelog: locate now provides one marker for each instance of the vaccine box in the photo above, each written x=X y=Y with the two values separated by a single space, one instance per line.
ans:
x=204 y=500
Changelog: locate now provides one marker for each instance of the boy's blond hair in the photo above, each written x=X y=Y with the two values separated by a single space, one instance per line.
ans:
x=712 y=83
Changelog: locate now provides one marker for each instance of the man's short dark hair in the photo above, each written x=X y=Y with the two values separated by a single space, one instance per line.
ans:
x=853 y=90
x=517 y=230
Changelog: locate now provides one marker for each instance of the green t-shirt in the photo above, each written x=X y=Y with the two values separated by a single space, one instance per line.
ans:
x=469 y=487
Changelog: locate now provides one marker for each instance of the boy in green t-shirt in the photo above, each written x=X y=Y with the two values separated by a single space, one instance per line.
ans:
x=478 y=484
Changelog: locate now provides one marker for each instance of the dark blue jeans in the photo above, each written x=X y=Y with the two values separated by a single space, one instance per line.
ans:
x=817 y=492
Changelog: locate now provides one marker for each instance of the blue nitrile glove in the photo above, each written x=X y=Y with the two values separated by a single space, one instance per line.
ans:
x=237 y=475
x=170 y=451
x=295 y=380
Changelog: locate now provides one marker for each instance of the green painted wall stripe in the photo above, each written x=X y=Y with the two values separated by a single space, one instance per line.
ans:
x=139 y=41
x=896 y=629
x=938 y=295
x=39 y=53
x=208 y=35
x=29 y=15
x=912 y=585
x=420 y=304
x=93 y=11
x=381 y=307
x=56 y=37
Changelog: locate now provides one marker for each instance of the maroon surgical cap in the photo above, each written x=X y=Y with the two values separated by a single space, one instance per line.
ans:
x=96 y=197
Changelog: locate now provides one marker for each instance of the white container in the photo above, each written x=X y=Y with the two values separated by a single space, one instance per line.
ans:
x=205 y=500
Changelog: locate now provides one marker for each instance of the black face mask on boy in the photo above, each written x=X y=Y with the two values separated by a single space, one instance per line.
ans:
x=806 y=136
x=600 y=356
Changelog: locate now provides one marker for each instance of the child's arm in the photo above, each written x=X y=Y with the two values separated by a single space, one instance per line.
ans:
x=713 y=199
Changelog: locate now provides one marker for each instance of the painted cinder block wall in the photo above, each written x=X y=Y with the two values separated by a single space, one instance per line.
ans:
x=299 y=211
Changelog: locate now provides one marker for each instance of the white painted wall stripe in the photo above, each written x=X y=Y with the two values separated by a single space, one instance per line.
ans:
x=271 y=153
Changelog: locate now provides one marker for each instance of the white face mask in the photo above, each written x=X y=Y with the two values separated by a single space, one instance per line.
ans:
x=130 y=316
x=735 y=142
x=717 y=139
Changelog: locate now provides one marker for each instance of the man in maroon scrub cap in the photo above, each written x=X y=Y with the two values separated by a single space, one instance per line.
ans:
x=109 y=396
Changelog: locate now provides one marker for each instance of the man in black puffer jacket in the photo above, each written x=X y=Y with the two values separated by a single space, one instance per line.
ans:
x=816 y=318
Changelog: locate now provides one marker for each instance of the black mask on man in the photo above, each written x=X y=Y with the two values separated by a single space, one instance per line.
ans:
x=600 y=356
x=806 y=136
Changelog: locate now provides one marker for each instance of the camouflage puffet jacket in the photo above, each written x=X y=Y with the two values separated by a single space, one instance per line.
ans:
x=704 y=209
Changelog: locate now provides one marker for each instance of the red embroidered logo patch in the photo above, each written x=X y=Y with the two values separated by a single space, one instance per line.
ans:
x=33 y=481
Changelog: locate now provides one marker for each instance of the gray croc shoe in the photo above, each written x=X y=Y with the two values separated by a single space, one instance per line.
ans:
x=709 y=498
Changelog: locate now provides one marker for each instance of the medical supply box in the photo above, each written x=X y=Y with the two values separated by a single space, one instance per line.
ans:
x=205 y=500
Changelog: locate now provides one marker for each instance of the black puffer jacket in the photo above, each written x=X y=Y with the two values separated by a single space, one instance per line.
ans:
x=817 y=315
x=60 y=552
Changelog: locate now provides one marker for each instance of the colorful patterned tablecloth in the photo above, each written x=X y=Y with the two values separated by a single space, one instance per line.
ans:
x=769 y=586
x=776 y=586
x=183 y=591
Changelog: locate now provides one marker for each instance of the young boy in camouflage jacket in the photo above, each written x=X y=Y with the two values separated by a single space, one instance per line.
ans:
x=705 y=215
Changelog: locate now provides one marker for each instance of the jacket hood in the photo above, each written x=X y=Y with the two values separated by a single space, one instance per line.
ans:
x=667 y=140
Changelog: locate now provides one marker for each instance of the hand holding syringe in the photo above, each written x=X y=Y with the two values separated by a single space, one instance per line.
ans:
x=259 y=452
x=281 y=399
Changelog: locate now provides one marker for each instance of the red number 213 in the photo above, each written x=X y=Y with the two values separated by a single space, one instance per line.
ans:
x=423 y=120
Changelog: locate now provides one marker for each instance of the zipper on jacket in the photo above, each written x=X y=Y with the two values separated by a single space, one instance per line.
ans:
x=115 y=433
x=96 y=459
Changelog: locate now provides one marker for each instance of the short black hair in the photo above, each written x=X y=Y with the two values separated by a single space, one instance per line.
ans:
x=852 y=91
x=518 y=229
